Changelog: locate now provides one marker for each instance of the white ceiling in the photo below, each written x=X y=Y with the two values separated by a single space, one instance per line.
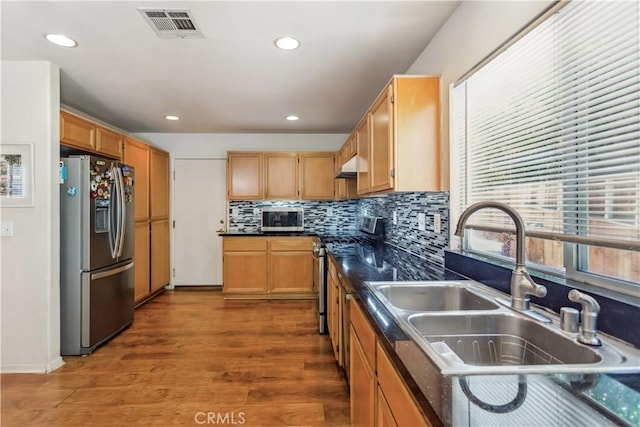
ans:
x=234 y=79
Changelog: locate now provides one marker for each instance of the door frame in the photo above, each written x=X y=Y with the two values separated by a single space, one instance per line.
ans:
x=173 y=159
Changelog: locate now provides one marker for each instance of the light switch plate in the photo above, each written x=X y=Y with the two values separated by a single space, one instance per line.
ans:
x=422 y=222
x=6 y=229
x=395 y=218
x=329 y=211
x=437 y=223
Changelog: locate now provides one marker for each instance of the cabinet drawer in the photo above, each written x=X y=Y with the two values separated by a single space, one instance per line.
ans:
x=291 y=244
x=244 y=244
x=404 y=409
x=364 y=331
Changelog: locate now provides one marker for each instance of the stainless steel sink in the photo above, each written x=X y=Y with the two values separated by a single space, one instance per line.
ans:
x=461 y=329
x=434 y=297
x=501 y=339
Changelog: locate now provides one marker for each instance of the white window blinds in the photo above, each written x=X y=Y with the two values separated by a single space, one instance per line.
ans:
x=551 y=126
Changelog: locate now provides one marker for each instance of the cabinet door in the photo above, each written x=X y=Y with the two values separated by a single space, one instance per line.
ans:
x=160 y=259
x=244 y=176
x=77 y=132
x=363 y=161
x=281 y=176
x=384 y=417
x=401 y=404
x=109 y=143
x=381 y=143
x=136 y=154
x=141 y=257
x=362 y=386
x=244 y=272
x=317 y=176
x=159 y=184
x=290 y=272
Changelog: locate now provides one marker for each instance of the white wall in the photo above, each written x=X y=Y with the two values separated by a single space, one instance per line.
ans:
x=473 y=31
x=217 y=144
x=30 y=287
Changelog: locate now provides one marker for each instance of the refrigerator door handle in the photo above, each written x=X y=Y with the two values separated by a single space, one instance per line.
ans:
x=118 y=205
x=113 y=272
x=114 y=214
x=122 y=209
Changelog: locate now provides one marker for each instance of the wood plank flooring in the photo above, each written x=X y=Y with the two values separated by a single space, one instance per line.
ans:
x=190 y=355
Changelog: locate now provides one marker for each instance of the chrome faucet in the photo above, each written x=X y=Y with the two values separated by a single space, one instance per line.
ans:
x=589 y=317
x=522 y=285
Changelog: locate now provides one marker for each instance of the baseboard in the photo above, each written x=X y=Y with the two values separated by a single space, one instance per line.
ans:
x=55 y=364
x=32 y=369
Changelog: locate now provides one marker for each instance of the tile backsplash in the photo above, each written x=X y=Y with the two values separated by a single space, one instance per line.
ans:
x=405 y=234
x=339 y=217
x=322 y=217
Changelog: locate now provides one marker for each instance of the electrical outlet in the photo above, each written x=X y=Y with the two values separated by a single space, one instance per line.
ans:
x=395 y=218
x=234 y=212
x=6 y=229
x=422 y=222
x=437 y=225
x=256 y=211
x=329 y=211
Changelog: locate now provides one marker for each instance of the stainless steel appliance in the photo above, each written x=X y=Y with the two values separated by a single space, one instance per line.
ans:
x=96 y=251
x=372 y=230
x=320 y=283
x=282 y=219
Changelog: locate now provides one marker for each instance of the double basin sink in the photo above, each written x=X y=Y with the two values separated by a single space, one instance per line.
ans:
x=464 y=331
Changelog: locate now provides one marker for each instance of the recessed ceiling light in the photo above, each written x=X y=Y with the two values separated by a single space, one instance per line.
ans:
x=286 y=43
x=292 y=118
x=169 y=117
x=61 y=40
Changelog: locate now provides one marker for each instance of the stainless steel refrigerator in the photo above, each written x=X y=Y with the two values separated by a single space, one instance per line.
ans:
x=96 y=251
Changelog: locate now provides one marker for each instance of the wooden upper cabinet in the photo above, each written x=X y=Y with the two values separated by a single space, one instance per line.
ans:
x=77 y=132
x=317 y=176
x=109 y=142
x=416 y=134
x=136 y=154
x=363 y=160
x=381 y=163
x=400 y=148
x=244 y=176
x=159 y=184
x=281 y=175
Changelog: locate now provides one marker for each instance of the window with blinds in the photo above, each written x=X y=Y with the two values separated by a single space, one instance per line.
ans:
x=551 y=126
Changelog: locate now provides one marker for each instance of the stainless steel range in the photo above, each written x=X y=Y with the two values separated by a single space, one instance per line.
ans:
x=372 y=230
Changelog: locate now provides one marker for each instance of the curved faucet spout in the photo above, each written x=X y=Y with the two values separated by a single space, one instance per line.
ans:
x=522 y=285
x=515 y=216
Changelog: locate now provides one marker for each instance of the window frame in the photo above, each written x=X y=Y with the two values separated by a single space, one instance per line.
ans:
x=574 y=257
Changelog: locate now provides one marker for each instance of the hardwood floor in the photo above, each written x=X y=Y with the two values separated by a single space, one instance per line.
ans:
x=189 y=356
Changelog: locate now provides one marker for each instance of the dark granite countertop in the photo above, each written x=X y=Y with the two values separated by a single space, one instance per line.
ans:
x=360 y=262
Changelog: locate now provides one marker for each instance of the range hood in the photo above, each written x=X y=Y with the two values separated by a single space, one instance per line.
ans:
x=348 y=169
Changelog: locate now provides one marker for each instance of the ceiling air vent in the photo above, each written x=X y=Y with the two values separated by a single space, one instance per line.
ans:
x=172 y=23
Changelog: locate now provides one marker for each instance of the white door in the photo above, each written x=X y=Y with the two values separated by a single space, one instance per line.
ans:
x=199 y=209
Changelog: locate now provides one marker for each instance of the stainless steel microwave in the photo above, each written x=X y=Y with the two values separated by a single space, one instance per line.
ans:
x=282 y=219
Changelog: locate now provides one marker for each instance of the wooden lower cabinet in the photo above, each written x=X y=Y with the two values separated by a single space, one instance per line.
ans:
x=362 y=385
x=142 y=285
x=267 y=267
x=379 y=396
x=290 y=272
x=245 y=271
x=384 y=416
x=160 y=257
x=334 y=313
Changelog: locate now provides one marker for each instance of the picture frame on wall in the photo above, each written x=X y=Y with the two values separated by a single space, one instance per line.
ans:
x=16 y=175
